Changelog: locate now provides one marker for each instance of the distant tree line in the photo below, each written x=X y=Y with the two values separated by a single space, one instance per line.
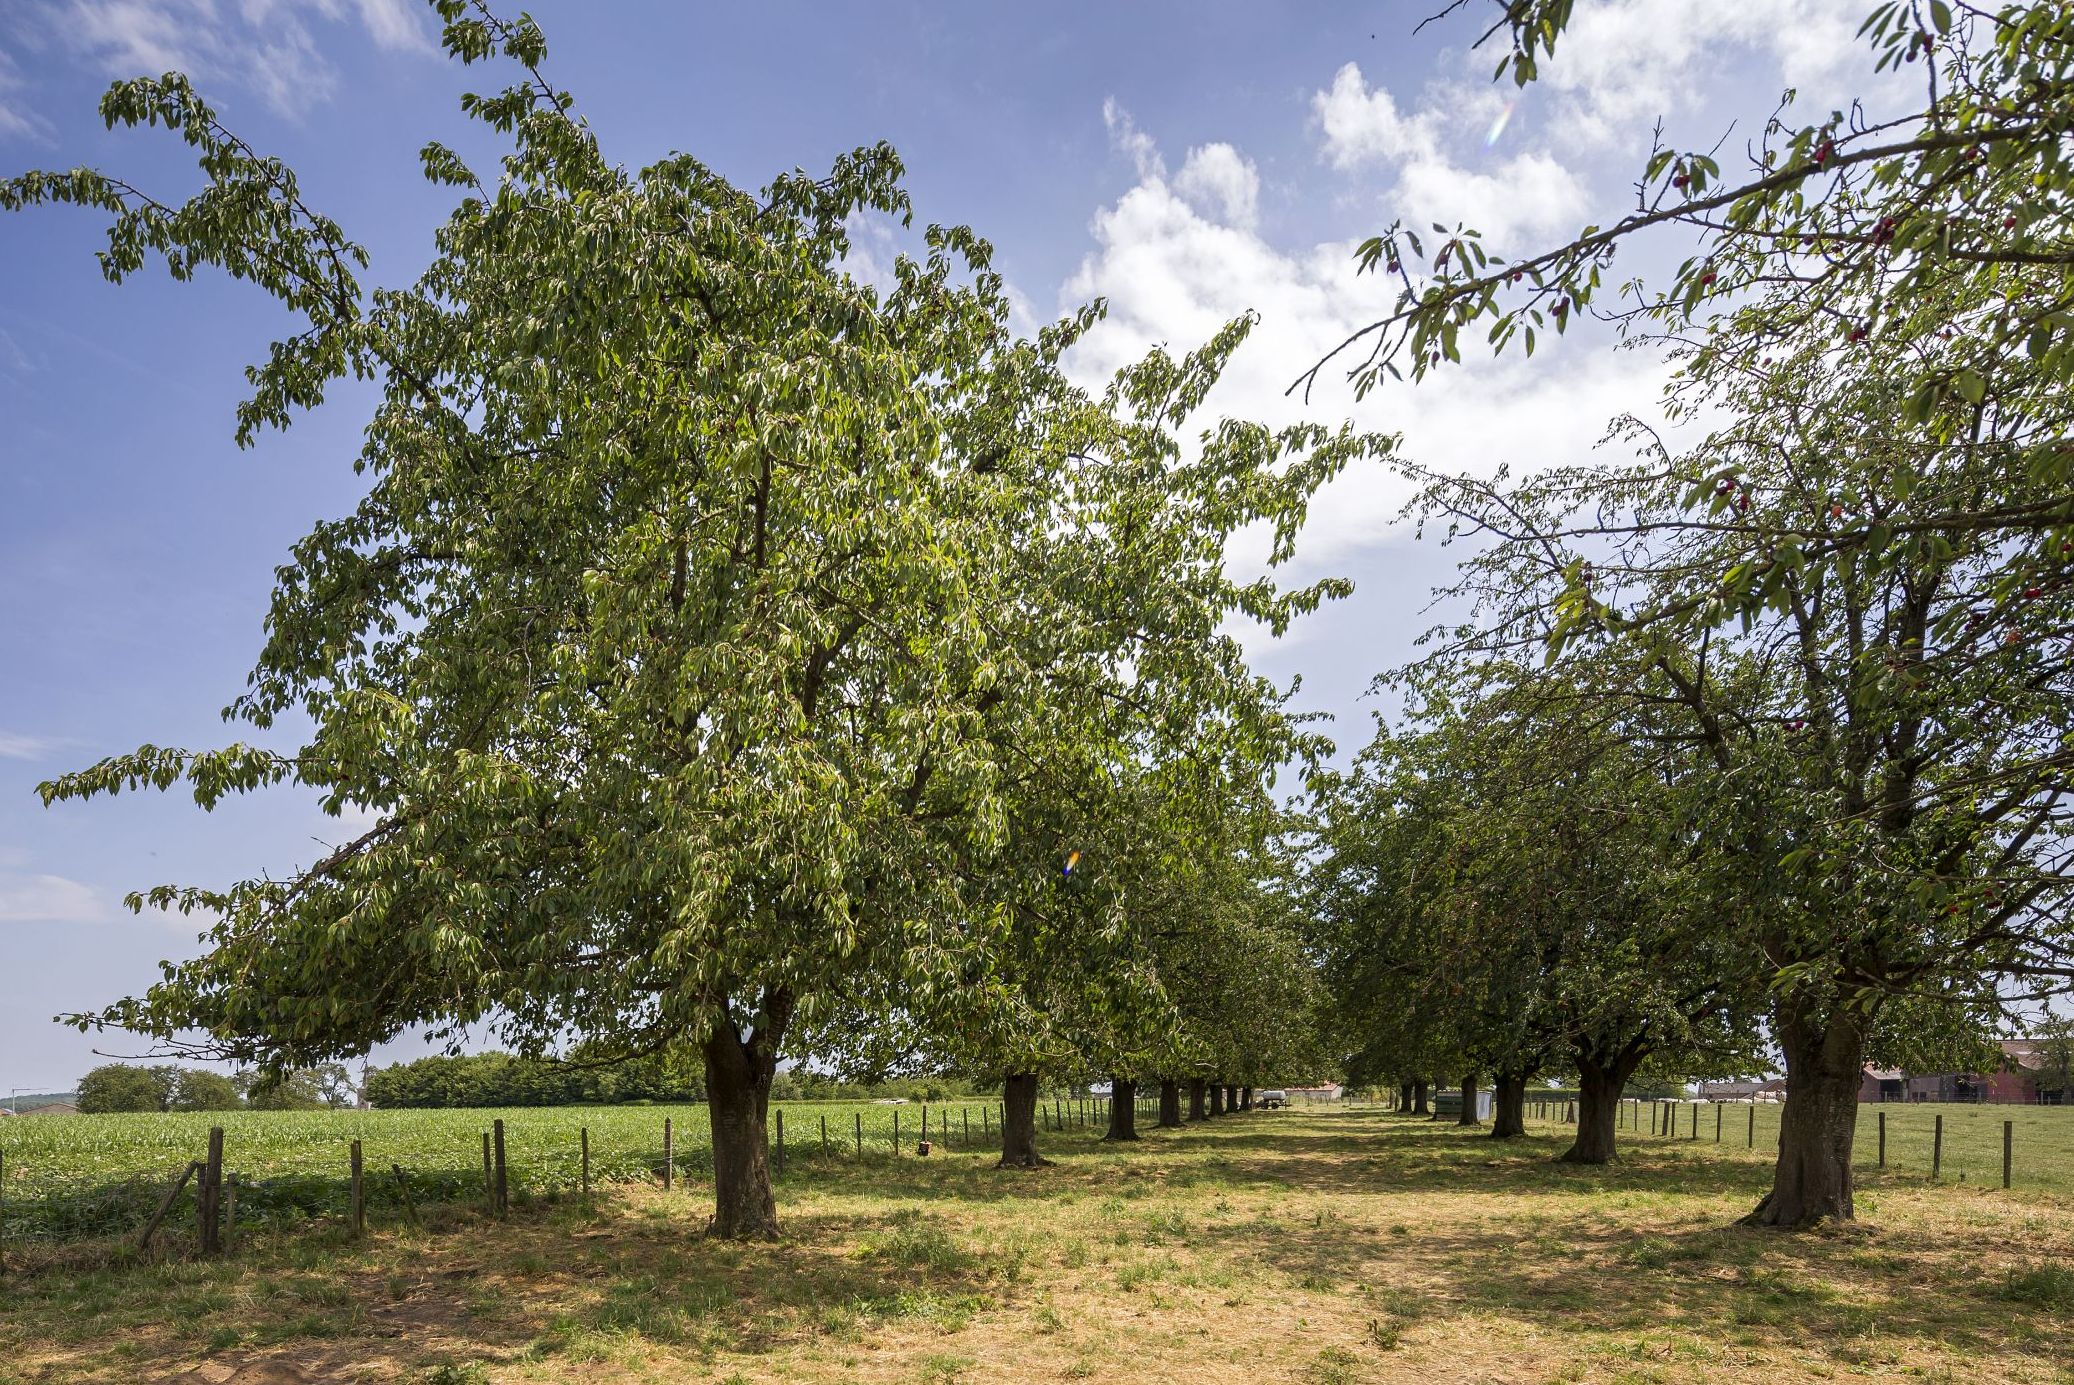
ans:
x=130 y=1087
x=504 y=1079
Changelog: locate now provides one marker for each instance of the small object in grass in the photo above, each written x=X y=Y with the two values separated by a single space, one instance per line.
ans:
x=922 y=1148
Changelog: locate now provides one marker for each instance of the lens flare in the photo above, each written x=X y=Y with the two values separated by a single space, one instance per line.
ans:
x=1072 y=860
x=1490 y=141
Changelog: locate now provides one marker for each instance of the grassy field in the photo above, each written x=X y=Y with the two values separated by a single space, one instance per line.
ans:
x=1306 y=1246
x=77 y=1177
x=2041 y=1139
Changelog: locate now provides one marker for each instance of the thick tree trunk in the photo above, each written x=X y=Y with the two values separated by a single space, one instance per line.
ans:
x=1825 y=1055
x=1418 y=1091
x=1019 y=1123
x=1468 y=1116
x=1169 y=1103
x=1245 y=1098
x=1404 y=1096
x=1599 y=1085
x=1197 y=1110
x=1123 y=1110
x=1509 y=1106
x=738 y=1093
x=1231 y=1098
x=1216 y=1099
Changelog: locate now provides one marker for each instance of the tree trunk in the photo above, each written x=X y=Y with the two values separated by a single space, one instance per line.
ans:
x=1599 y=1084
x=1245 y=1098
x=1404 y=1096
x=1509 y=1109
x=1468 y=1116
x=738 y=1093
x=1019 y=1123
x=1123 y=1110
x=1169 y=1103
x=1196 y=1109
x=1825 y=1055
x=1418 y=1105
x=1231 y=1099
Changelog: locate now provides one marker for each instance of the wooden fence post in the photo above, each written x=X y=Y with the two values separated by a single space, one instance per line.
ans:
x=584 y=1134
x=896 y=1130
x=503 y=1169
x=1937 y=1146
x=1717 y=1122
x=359 y=1190
x=1883 y=1139
x=859 y=1117
x=2008 y=1140
x=824 y=1134
x=669 y=1154
x=210 y=1195
x=410 y=1204
x=166 y=1204
x=965 y=1125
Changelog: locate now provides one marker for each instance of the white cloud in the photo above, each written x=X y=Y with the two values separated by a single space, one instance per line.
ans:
x=1222 y=184
x=49 y=899
x=15 y=116
x=266 y=46
x=1363 y=126
x=1125 y=135
x=1174 y=272
x=15 y=746
x=1624 y=62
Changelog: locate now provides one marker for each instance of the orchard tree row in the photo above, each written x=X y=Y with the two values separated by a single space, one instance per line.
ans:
x=1763 y=740
x=738 y=659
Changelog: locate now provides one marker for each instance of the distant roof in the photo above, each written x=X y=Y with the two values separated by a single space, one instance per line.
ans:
x=55 y=1108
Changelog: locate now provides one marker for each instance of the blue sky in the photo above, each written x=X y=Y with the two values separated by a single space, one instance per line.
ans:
x=1190 y=161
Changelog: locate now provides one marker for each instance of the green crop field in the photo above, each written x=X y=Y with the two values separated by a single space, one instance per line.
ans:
x=79 y=1177
x=2041 y=1138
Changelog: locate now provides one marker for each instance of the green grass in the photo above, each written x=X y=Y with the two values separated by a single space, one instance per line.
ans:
x=2041 y=1139
x=81 y=1177
x=1298 y=1247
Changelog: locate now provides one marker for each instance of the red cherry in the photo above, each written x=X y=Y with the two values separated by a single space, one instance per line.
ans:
x=2033 y=593
x=1857 y=333
x=2009 y=222
x=1707 y=279
x=1393 y=266
x=1836 y=512
x=1825 y=151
